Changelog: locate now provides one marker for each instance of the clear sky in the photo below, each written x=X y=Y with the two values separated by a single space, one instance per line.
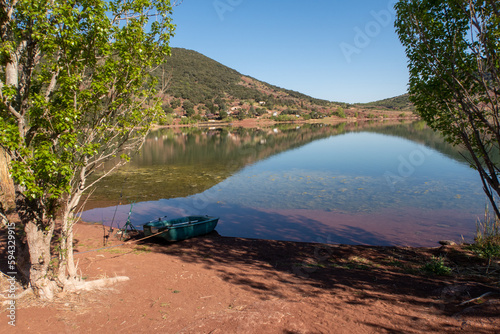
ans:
x=344 y=51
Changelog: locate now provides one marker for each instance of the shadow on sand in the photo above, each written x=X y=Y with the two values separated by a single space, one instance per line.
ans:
x=318 y=272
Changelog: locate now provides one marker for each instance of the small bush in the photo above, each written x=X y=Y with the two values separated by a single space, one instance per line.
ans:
x=487 y=240
x=436 y=267
x=340 y=112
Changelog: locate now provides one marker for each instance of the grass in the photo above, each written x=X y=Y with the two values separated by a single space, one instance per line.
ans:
x=115 y=250
x=487 y=240
x=142 y=249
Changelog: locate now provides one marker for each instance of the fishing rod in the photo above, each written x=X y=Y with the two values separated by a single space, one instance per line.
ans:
x=106 y=234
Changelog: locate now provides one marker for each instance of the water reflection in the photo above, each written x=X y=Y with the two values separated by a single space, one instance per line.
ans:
x=339 y=184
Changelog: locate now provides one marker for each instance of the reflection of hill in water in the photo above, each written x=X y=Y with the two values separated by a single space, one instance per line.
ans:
x=419 y=132
x=184 y=162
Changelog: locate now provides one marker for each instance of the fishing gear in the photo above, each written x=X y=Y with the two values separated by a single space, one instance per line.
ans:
x=124 y=232
x=106 y=234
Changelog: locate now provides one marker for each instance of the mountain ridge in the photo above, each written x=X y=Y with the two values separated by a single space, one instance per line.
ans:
x=200 y=87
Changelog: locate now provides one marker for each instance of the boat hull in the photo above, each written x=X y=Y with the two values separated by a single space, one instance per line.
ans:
x=180 y=228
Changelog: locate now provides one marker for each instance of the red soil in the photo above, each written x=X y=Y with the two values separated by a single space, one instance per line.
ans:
x=215 y=284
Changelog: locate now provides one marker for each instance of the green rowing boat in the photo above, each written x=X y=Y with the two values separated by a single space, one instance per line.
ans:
x=180 y=228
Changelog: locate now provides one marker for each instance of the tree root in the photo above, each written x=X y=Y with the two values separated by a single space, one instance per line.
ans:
x=76 y=285
x=49 y=291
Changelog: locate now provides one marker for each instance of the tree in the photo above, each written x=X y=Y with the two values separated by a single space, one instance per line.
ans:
x=75 y=92
x=340 y=112
x=175 y=103
x=241 y=115
x=223 y=114
x=453 y=52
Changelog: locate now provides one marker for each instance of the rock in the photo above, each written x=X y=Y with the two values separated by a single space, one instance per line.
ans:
x=447 y=243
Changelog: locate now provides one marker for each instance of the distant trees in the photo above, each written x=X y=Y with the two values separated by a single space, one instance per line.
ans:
x=188 y=107
x=453 y=51
x=223 y=114
x=252 y=112
x=208 y=83
x=401 y=102
x=260 y=111
x=340 y=112
x=175 y=103
x=290 y=112
x=241 y=115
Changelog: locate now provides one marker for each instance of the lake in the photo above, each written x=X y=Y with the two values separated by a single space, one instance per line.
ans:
x=355 y=183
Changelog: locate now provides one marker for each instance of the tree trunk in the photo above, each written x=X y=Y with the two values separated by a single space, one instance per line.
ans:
x=7 y=195
x=67 y=269
x=38 y=242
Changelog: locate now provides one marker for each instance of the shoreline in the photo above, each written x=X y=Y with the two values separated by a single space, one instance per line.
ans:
x=266 y=122
x=214 y=284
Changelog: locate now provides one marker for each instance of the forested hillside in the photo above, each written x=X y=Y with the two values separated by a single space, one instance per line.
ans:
x=200 y=88
x=401 y=102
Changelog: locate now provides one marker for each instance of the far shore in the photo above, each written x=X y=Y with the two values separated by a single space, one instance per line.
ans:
x=267 y=122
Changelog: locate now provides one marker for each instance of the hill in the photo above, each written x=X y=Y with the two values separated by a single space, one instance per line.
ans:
x=401 y=102
x=201 y=88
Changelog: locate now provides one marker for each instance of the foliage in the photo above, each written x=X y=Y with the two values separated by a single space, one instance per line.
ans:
x=223 y=114
x=290 y=112
x=340 y=112
x=165 y=120
x=198 y=78
x=241 y=115
x=454 y=64
x=284 y=118
x=401 y=102
x=260 y=111
x=202 y=80
x=487 y=241
x=436 y=267
x=75 y=91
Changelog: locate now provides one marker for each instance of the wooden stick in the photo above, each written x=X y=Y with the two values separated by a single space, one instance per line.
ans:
x=477 y=298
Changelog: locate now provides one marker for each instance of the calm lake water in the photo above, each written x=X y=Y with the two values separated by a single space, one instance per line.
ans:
x=375 y=184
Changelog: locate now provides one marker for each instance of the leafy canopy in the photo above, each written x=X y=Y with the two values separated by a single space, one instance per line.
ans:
x=453 y=58
x=75 y=86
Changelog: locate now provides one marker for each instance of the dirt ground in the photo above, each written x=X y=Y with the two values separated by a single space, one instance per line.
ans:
x=215 y=284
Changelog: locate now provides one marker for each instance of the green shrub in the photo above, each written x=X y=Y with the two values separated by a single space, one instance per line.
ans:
x=340 y=112
x=436 y=267
x=487 y=239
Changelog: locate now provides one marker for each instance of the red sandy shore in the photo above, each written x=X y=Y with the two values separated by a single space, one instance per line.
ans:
x=215 y=284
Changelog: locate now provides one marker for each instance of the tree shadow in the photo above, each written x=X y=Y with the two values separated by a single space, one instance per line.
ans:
x=315 y=270
x=242 y=221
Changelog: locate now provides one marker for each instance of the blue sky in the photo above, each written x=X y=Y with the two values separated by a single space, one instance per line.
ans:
x=344 y=51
